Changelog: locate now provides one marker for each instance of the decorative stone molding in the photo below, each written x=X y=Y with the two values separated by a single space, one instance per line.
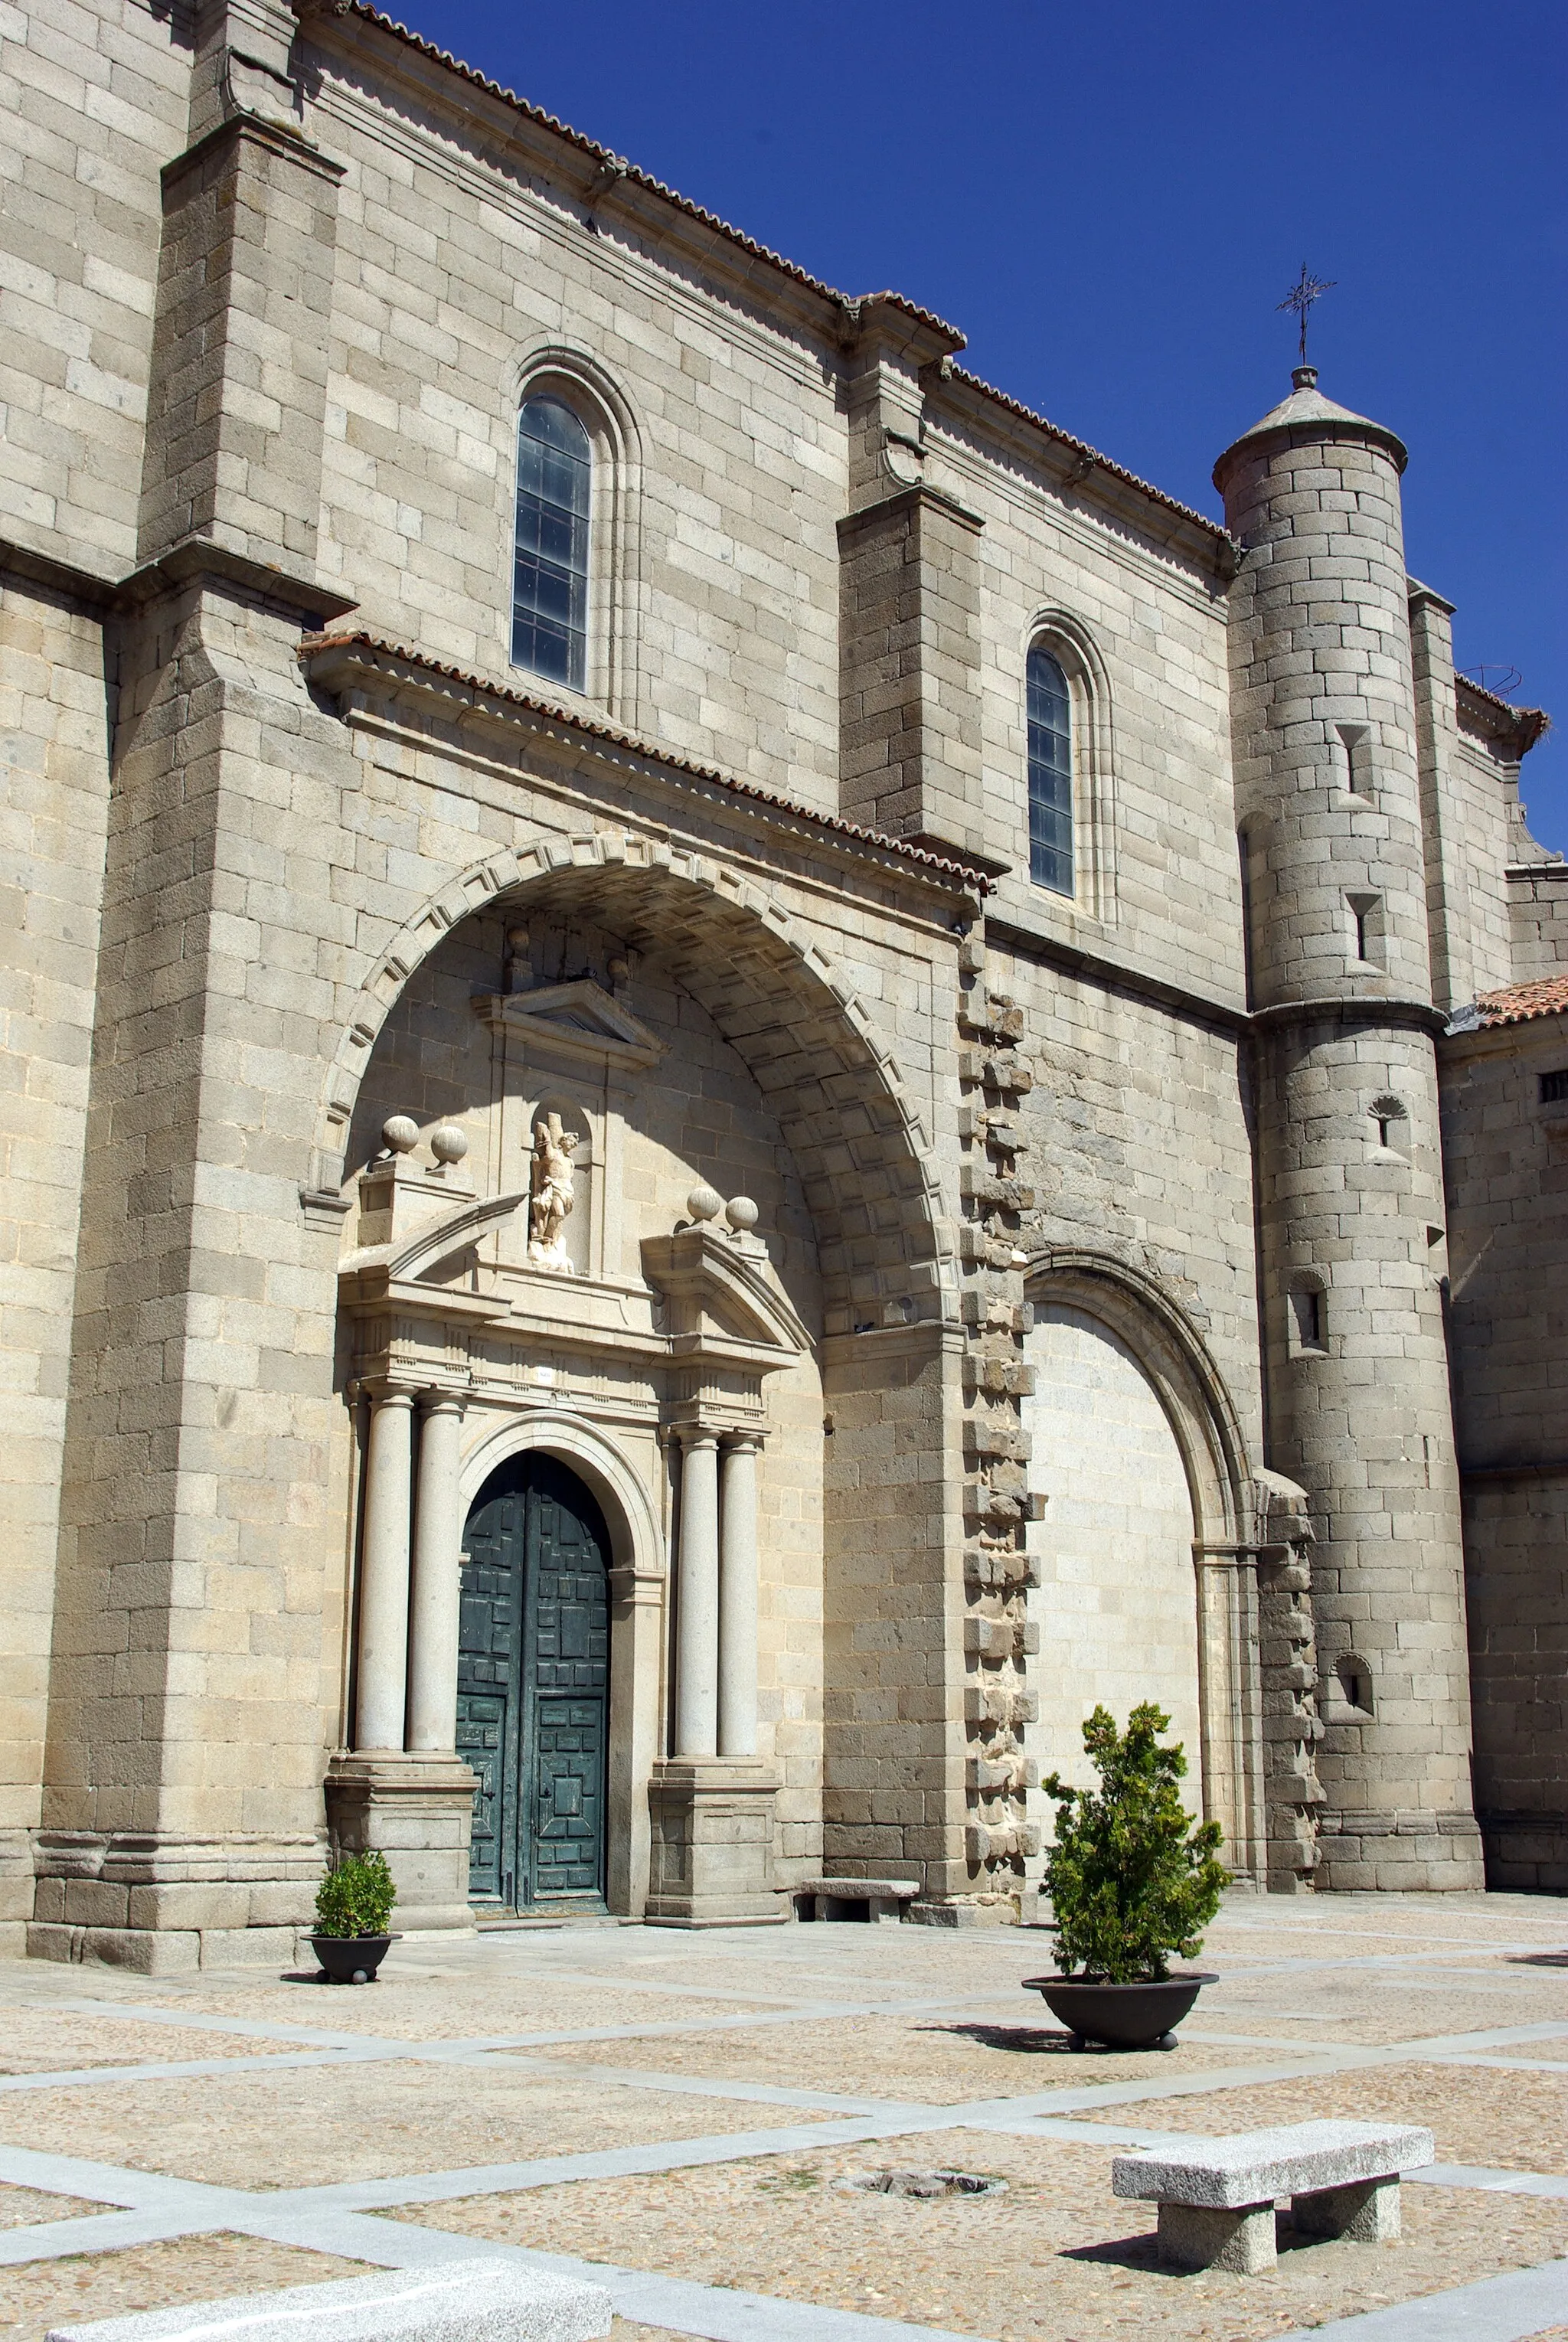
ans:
x=998 y=1202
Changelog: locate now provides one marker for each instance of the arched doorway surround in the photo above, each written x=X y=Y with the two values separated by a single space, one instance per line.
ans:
x=861 y=1154
x=1178 y=1366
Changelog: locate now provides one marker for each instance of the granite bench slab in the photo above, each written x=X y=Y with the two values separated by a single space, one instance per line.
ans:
x=1217 y=2197
x=839 y=1898
x=473 y=2301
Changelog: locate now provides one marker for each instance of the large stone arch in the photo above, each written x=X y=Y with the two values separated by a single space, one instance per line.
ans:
x=811 y=1041
x=1178 y=1365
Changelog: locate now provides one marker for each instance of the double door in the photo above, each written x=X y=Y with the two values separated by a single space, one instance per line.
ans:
x=532 y=1686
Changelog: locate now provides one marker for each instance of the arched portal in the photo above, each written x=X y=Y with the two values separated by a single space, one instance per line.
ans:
x=680 y=1029
x=532 y=1715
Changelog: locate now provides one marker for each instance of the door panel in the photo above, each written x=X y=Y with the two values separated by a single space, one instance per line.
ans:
x=534 y=1684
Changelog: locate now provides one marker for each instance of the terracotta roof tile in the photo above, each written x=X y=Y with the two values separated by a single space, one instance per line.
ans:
x=1516 y=1004
x=949 y=872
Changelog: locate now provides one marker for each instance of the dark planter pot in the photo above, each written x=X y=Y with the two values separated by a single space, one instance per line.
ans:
x=1121 y=2015
x=351 y=1959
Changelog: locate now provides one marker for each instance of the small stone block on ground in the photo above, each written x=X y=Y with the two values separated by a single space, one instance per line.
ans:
x=477 y=2301
x=1196 y=2236
x=1367 y=2214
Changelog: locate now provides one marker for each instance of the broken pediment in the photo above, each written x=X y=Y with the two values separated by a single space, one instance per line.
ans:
x=718 y=1300
x=577 y=1023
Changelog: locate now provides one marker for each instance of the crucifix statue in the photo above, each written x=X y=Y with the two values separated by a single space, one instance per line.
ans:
x=549 y=1195
x=1306 y=289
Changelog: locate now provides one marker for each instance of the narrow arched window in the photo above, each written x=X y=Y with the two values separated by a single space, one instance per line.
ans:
x=1050 y=773
x=550 y=578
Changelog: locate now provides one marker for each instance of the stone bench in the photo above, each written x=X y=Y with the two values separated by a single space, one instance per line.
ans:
x=875 y=1899
x=465 y=2301
x=1217 y=2197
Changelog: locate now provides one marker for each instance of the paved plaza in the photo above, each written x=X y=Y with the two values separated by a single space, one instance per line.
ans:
x=680 y=2112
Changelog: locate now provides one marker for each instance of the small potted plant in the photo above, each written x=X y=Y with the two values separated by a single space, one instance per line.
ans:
x=1132 y=1878
x=353 y=1905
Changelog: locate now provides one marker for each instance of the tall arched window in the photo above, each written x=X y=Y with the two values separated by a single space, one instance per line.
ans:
x=550 y=576
x=1050 y=773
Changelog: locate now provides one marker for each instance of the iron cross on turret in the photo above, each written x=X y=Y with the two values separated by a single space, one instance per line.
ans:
x=1306 y=289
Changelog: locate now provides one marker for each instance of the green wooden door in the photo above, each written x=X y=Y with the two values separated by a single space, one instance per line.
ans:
x=533 y=1686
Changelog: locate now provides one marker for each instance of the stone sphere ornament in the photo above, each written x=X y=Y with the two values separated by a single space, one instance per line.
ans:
x=401 y=1133
x=742 y=1215
x=704 y=1203
x=448 y=1142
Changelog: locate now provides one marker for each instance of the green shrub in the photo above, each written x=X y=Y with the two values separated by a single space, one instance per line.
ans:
x=356 y=1897
x=1131 y=1878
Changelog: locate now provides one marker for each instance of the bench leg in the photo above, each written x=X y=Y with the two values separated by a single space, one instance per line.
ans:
x=1196 y=2237
x=1366 y=2214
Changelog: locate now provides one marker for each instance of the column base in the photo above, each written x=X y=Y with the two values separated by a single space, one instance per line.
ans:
x=713 y=1834
x=416 y=1809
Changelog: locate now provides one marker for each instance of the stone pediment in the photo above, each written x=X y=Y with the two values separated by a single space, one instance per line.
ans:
x=578 y=1022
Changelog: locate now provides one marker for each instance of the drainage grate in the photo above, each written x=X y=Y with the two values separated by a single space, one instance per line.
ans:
x=925 y=2183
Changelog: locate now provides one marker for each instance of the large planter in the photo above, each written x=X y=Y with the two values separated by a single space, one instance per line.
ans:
x=351 y=1959
x=1121 y=2015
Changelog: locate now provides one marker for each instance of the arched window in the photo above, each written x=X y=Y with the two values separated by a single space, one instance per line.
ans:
x=550 y=576
x=1050 y=773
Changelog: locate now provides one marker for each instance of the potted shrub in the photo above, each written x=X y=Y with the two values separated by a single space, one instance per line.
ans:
x=353 y=1905
x=1132 y=1879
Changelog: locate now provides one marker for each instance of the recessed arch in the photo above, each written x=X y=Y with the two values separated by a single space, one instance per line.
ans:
x=1179 y=1365
x=793 y=1017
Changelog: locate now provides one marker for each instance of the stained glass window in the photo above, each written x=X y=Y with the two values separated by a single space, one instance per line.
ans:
x=550 y=576
x=1050 y=775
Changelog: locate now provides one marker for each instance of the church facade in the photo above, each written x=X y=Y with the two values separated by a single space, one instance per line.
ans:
x=729 y=1076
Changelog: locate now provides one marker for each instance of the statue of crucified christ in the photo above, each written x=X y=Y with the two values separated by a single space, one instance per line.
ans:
x=549 y=1195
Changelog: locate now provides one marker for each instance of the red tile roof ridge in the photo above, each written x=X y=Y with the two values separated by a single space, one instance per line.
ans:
x=1516 y=1004
x=595 y=727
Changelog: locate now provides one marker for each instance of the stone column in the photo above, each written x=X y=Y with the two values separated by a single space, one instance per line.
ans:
x=738 y=1596
x=437 y=1564
x=384 y=1573
x=697 y=1616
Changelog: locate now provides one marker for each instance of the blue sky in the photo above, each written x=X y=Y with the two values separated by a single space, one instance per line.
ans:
x=1110 y=201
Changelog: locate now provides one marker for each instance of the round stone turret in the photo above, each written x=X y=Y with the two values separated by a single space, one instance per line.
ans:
x=1350 y=1183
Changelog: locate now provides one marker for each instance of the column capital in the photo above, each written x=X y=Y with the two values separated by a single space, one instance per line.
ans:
x=435 y=1400
x=382 y=1393
x=743 y=1441
x=696 y=1434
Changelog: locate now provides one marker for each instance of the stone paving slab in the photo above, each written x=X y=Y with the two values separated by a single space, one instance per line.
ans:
x=1515 y=2121
x=307 y=2127
x=1058 y=2257
x=34 y=2041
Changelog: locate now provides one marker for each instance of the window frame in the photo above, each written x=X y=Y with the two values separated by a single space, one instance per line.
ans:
x=1065 y=638
x=611 y=680
x=579 y=576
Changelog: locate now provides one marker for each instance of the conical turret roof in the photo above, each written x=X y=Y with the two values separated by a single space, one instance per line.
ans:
x=1306 y=410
